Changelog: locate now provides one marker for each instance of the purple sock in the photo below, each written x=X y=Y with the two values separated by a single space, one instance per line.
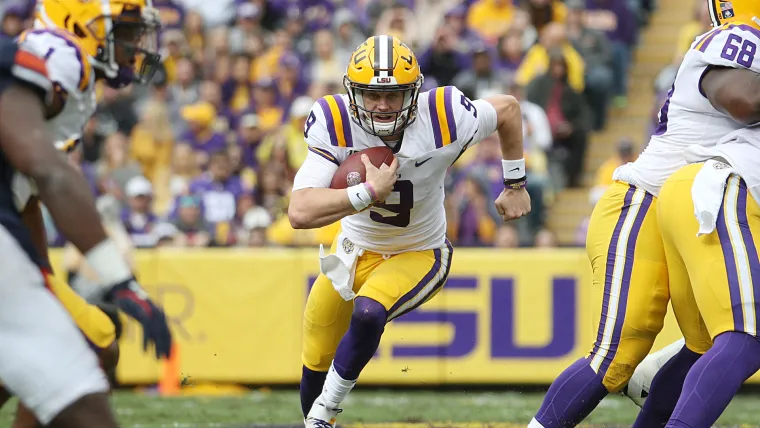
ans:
x=665 y=389
x=714 y=380
x=362 y=338
x=311 y=386
x=572 y=396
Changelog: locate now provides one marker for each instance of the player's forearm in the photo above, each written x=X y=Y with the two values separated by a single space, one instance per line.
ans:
x=32 y=218
x=316 y=207
x=508 y=126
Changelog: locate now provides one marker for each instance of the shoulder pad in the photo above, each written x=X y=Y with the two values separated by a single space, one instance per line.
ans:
x=329 y=123
x=730 y=45
x=68 y=65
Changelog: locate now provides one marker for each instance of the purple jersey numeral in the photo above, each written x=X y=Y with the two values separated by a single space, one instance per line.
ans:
x=309 y=122
x=662 y=118
x=468 y=105
x=740 y=50
x=402 y=210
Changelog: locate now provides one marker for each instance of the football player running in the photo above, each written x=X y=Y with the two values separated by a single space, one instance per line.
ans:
x=715 y=92
x=391 y=254
x=47 y=88
x=709 y=215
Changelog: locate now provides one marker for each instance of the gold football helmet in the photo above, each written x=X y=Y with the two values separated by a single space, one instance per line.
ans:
x=383 y=64
x=120 y=36
x=736 y=11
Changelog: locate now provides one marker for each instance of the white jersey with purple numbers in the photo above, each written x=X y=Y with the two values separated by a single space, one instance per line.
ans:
x=413 y=217
x=687 y=117
x=72 y=76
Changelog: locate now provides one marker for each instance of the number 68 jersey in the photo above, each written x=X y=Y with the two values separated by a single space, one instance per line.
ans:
x=412 y=218
x=687 y=117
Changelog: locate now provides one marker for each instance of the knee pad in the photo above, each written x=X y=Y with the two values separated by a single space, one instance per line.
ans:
x=368 y=314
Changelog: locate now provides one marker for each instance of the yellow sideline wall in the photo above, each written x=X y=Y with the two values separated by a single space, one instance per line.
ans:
x=505 y=316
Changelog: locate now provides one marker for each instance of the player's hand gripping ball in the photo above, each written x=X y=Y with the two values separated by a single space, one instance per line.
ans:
x=378 y=170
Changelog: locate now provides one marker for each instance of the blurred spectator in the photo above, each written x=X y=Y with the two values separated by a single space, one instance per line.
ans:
x=618 y=21
x=482 y=79
x=290 y=80
x=184 y=169
x=506 y=237
x=137 y=216
x=152 y=140
x=399 y=21
x=596 y=51
x=509 y=53
x=442 y=61
x=490 y=18
x=326 y=66
x=115 y=112
x=14 y=15
x=348 y=34
x=536 y=61
x=253 y=230
x=248 y=24
x=173 y=48
x=218 y=189
x=290 y=135
x=172 y=14
x=165 y=235
x=699 y=25
x=215 y=13
x=545 y=238
x=475 y=216
x=115 y=168
x=185 y=90
x=191 y=227
x=265 y=101
x=266 y=63
x=194 y=31
x=625 y=153
x=567 y=113
x=201 y=136
x=543 y=12
x=236 y=91
x=435 y=12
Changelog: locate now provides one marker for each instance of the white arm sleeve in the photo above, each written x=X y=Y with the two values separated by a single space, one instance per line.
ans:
x=316 y=171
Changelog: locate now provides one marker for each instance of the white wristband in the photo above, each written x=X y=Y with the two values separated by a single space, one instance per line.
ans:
x=513 y=169
x=108 y=262
x=359 y=196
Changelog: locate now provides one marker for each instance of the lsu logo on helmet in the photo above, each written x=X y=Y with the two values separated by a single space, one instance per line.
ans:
x=383 y=64
x=734 y=11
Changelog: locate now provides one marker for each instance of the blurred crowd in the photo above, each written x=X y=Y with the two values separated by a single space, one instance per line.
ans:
x=206 y=154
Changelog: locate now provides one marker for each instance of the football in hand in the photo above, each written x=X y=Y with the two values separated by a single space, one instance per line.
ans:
x=352 y=172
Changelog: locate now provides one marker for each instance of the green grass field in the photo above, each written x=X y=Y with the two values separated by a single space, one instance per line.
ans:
x=391 y=409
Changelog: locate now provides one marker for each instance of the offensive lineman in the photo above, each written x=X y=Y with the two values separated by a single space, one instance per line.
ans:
x=715 y=92
x=73 y=391
x=392 y=254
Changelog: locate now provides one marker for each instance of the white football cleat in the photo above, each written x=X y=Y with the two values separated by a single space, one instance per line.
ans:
x=321 y=416
x=641 y=381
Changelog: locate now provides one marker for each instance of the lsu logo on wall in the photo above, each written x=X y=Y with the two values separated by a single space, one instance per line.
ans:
x=488 y=326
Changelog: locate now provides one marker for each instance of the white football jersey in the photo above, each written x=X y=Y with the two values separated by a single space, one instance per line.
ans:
x=687 y=117
x=413 y=217
x=71 y=72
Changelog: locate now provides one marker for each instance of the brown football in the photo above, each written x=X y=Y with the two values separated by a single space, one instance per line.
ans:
x=352 y=172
